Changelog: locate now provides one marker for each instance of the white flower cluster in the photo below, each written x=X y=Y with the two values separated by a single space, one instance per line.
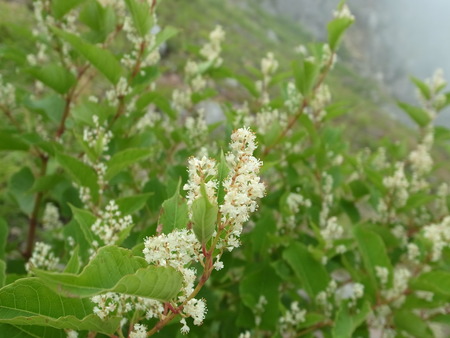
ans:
x=50 y=219
x=179 y=249
x=242 y=186
x=437 y=81
x=398 y=185
x=119 y=91
x=294 y=98
x=98 y=137
x=259 y=309
x=269 y=66
x=267 y=118
x=331 y=232
x=291 y=319
x=72 y=334
x=379 y=160
x=421 y=161
x=441 y=202
x=435 y=85
x=378 y=321
x=110 y=224
x=181 y=99
x=350 y=291
x=439 y=237
x=382 y=274
x=201 y=171
x=195 y=308
x=145 y=52
x=197 y=128
x=116 y=304
x=343 y=13
x=211 y=51
x=295 y=200
x=43 y=20
x=119 y=6
x=42 y=258
x=324 y=298
x=175 y=249
x=150 y=119
x=327 y=198
x=413 y=252
x=139 y=331
x=194 y=76
x=396 y=295
x=7 y=95
x=321 y=99
x=85 y=195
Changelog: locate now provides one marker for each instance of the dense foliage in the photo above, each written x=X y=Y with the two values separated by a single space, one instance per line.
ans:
x=138 y=201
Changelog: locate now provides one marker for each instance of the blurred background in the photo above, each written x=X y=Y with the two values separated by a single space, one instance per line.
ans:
x=390 y=41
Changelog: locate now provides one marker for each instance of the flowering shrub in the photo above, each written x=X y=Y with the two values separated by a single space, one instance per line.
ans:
x=132 y=216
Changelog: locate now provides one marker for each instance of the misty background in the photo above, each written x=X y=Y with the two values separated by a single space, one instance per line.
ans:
x=390 y=41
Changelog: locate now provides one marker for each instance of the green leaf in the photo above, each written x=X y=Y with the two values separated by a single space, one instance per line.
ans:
x=102 y=20
x=74 y=264
x=222 y=172
x=141 y=15
x=9 y=141
x=419 y=115
x=336 y=29
x=123 y=159
x=80 y=172
x=54 y=76
x=46 y=183
x=19 y=185
x=73 y=230
x=31 y=331
x=373 y=252
x=51 y=105
x=423 y=87
x=115 y=269
x=440 y=133
x=85 y=220
x=167 y=33
x=359 y=188
x=260 y=235
x=346 y=323
x=160 y=101
x=3 y=237
x=2 y=272
x=416 y=201
x=411 y=323
x=102 y=59
x=262 y=282
x=48 y=308
x=308 y=270
x=175 y=212
x=62 y=7
x=437 y=281
x=204 y=216
x=130 y=204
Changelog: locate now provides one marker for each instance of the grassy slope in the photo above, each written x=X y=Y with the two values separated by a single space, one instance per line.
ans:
x=248 y=29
